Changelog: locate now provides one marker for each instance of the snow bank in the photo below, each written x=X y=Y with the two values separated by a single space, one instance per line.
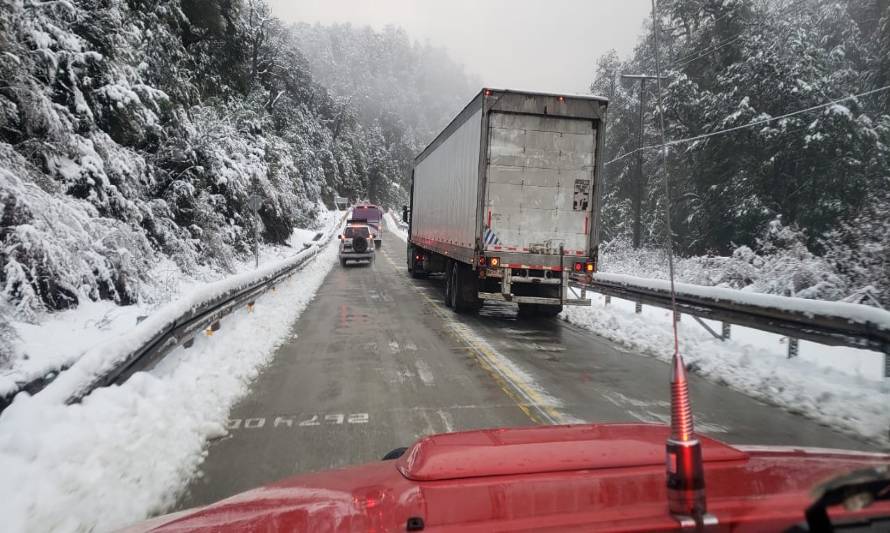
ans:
x=101 y=359
x=835 y=386
x=396 y=227
x=854 y=313
x=126 y=451
x=58 y=340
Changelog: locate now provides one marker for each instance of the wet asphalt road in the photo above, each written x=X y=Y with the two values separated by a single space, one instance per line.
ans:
x=377 y=361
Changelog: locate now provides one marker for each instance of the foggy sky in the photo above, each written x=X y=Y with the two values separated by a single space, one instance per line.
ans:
x=544 y=45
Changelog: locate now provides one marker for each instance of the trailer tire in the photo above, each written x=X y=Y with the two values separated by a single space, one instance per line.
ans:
x=450 y=282
x=343 y=263
x=465 y=291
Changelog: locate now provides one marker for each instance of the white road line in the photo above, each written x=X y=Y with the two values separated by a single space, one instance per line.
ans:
x=446 y=420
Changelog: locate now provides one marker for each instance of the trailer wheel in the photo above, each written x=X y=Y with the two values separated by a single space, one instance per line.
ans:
x=450 y=283
x=343 y=263
x=464 y=290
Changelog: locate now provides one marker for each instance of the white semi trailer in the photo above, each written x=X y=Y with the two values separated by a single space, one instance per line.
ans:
x=506 y=200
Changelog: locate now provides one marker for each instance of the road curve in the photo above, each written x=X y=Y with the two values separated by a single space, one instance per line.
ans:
x=377 y=361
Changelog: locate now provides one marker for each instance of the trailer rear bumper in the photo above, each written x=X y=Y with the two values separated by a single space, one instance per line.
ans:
x=499 y=297
x=544 y=290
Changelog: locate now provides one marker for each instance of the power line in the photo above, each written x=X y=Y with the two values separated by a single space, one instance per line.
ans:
x=708 y=50
x=705 y=51
x=726 y=43
x=749 y=125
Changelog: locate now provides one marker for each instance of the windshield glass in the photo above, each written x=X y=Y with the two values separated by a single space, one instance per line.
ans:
x=242 y=240
x=357 y=231
x=371 y=214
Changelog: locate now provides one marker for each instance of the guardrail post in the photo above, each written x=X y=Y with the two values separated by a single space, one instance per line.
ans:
x=639 y=308
x=608 y=299
x=679 y=315
x=793 y=347
x=887 y=362
x=705 y=325
x=726 y=332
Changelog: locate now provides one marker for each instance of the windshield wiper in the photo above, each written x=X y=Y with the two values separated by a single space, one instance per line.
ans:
x=855 y=490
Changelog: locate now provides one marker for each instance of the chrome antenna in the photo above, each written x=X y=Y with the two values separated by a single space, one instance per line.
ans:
x=685 y=468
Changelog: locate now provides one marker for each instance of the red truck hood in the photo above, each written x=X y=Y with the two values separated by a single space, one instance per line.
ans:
x=608 y=477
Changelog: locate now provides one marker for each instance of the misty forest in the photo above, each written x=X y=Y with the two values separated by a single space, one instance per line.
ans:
x=136 y=130
x=794 y=205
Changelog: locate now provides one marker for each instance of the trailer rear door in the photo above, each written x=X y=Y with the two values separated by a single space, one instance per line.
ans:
x=539 y=186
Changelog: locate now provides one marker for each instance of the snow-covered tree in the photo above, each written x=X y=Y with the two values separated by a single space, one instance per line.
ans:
x=134 y=129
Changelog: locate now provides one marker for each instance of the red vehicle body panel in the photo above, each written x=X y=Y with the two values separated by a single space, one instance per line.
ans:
x=586 y=477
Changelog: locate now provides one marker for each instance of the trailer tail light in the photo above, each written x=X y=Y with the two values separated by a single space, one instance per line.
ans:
x=482 y=261
x=494 y=262
x=487 y=92
x=589 y=267
x=579 y=267
x=562 y=98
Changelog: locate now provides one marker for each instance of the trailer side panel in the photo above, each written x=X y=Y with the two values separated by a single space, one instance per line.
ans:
x=445 y=190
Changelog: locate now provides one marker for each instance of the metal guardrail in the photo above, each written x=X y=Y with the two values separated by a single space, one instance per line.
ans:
x=178 y=331
x=818 y=327
x=184 y=328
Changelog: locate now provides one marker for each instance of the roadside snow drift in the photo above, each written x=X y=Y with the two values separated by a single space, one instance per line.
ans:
x=839 y=387
x=126 y=451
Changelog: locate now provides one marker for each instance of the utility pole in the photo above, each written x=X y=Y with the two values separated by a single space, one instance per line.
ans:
x=638 y=185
